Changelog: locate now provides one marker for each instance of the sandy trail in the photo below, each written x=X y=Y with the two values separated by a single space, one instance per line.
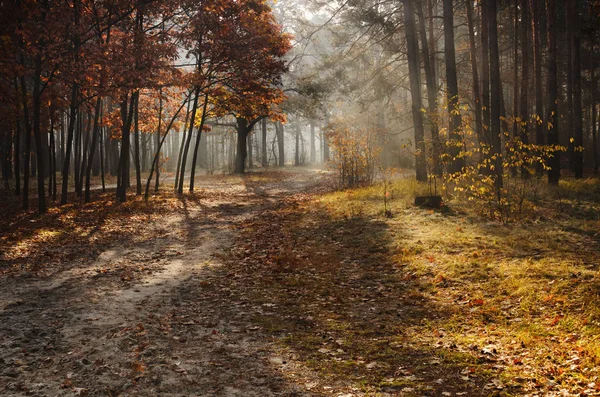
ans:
x=142 y=317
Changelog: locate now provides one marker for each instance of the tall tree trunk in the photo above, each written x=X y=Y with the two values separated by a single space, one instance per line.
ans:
x=241 y=152
x=69 y=147
x=553 y=117
x=33 y=158
x=174 y=150
x=297 y=147
x=136 y=149
x=160 y=111
x=27 y=149
x=325 y=142
x=144 y=152
x=197 y=146
x=250 y=151
x=537 y=66
x=577 y=100
x=188 y=141
x=431 y=90
x=313 y=148
x=279 y=130
x=485 y=70
x=114 y=156
x=516 y=128
x=432 y=6
x=183 y=140
x=5 y=156
x=102 y=158
x=48 y=151
x=302 y=150
x=455 y=130
x=127 y=117
x=52 y=158
x=570 y=42
x=415 y=88
x=263 y=151
x=524 y=112
x=90 y=163
x=476 y=88
x=17 y=151
x=87 y=151
x=61 y=149
x=38 y=168
x=594 y=108
x=496 y=91
x=77 y=142
x=96 y=157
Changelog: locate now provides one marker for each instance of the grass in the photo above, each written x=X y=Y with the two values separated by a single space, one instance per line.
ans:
x=420 y=303
x=489 y=308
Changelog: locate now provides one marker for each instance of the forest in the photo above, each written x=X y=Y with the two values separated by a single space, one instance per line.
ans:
x=299 y=198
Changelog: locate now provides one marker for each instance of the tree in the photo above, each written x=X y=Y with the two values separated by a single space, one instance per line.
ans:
x=431 y=87
x=553 y=117
x=412 y=47
x=455 y=128
x=496 y=90
x=254 y=92
x=577 y=110
x=476 y=87
x=523 y=120
x=537 y=66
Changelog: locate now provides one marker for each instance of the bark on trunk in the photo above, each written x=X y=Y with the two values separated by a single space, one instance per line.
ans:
x=136 y=150
x=431 y=91
x=553 y=119
x=570 y=28
x=70 y=133
x=95 y=133
x=263 y=151
x=183 y=140
x=577 y=100
x=537 y=66
x=297 y=148
x=197 y=146
x=455 y=130
x=476 y=88
x=485 y=70
x=160 y=111
x=188 y=142
x=593 y=105
x=524 y=111
x=241 y=152
x=127 y=117
x=27 y=149
x=496 y=91
x=250 y=151
x=17 y=150
x=415 y=88
x=313 y=149
x=516 y=129
x=279 y=129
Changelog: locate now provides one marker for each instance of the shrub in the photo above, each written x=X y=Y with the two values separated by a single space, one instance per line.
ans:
x=354 y=153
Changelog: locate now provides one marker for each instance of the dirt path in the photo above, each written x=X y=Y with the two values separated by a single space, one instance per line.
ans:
x=143 y=316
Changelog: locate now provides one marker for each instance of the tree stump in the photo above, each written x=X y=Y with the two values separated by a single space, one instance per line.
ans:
x=433 y=202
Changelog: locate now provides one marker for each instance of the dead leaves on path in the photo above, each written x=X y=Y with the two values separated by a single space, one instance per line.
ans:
x=41 y=246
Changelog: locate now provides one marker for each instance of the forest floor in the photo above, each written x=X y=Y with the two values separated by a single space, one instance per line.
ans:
x=273 y=284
